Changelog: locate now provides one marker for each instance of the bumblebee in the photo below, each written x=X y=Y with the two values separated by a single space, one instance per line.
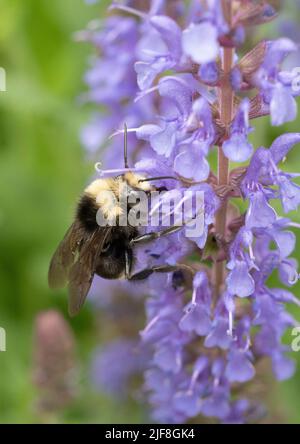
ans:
x=108 y=251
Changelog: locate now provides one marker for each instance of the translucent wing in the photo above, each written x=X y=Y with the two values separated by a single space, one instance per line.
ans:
x=64 y=256
x=82 y=272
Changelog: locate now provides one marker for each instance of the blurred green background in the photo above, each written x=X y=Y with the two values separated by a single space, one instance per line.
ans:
x=43 y=170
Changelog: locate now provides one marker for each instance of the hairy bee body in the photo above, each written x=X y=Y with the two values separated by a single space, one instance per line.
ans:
x=88 y=248
x=91 y=247
x=111 y=262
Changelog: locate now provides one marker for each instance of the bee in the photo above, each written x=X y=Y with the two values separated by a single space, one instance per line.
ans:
x=108 y=251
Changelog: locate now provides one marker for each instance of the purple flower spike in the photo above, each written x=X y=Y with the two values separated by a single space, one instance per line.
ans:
x=177 y=73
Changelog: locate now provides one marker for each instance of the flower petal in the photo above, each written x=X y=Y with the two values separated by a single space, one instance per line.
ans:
x=209 y=72
x=178 y=91
x=282 y=145
x=289 y=194
x=283 y=106
x=237 y=148
x=196 y=319
x=239 y=281
x=260 y=214
x=167 y=358
x=192 y=164
x=145 y=75
x=239 y=368
x=200 y=42
x=283 y=367
x=170 y=32
x=164 y=141
x=218 y=337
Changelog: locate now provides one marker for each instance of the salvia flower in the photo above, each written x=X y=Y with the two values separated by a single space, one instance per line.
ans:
x=237 y=148
x=173 y=71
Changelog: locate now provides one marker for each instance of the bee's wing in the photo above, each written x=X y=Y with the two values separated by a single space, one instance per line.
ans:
x=64 y=256
x=82 y=272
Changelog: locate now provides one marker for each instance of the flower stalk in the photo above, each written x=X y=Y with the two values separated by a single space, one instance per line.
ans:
x=226 y=95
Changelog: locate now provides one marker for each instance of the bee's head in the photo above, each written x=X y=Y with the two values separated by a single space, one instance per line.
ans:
x=132 y=189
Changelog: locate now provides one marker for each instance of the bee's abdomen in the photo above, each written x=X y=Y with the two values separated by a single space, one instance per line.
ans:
x=87 y=212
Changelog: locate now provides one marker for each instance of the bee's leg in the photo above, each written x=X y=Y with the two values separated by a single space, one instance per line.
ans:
x=148 y=237
x=144 y=274
x=128 y=263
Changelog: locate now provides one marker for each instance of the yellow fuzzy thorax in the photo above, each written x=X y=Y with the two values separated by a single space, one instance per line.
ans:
x=106 y=192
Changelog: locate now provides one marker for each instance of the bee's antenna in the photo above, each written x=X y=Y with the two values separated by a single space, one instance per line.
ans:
x=159 y=178
x=125 y=147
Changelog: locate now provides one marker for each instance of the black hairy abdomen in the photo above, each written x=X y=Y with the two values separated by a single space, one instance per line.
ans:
x=111 y=262
x=87 y=213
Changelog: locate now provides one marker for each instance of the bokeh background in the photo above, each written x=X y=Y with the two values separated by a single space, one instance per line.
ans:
x=43 y=169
